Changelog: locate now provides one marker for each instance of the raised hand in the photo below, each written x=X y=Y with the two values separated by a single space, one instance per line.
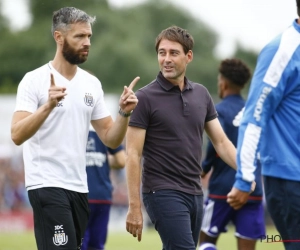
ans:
x=128 y=100
x=56 y=93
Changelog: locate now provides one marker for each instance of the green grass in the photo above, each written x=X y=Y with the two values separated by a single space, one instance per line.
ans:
x=124 y=241
x=227 y=241
x=16 y=241
x=151 y=241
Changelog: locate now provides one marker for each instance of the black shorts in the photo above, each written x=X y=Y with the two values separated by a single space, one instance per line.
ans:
x=60 y=218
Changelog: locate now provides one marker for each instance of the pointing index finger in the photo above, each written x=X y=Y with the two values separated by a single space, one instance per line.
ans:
x=52 y=82
x=134 y=82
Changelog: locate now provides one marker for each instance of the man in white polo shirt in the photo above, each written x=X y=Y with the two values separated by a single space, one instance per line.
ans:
x=55 y=105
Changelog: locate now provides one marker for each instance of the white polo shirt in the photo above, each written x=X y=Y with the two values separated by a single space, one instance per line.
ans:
x=55 y=155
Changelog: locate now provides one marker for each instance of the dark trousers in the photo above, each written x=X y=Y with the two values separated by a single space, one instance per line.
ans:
x=283 y=202
x=60 y=218
x=177 y=217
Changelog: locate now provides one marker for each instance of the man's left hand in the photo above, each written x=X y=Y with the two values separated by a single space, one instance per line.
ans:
x=237 y=198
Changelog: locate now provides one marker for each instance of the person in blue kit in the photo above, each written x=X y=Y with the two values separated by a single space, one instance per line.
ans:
x=270 y=125
x=249 y=220
x=99 y=160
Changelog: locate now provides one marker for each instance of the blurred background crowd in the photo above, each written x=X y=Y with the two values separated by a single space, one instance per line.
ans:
x=13 y=195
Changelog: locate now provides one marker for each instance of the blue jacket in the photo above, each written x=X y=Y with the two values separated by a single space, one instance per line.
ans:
x=271 y=121
x=98 y=170
x=230 y=111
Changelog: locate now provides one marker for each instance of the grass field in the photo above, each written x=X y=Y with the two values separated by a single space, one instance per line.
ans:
x=124 y=241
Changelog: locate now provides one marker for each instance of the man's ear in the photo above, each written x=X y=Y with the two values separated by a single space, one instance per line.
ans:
x=225 y=83
x=189 y=56
x=58 y=37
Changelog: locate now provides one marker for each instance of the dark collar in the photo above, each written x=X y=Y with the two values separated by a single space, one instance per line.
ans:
x=166 y=85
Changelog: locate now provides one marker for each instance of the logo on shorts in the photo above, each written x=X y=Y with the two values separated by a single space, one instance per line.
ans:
x=214 y=229
x=60 y=238
x=89 y=100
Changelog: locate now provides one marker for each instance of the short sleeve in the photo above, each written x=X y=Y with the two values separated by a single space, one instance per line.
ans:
x=27 y=98
x=141 y=114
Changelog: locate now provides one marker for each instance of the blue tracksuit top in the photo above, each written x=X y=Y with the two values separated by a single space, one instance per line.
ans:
x=230 y=111
x=271 y=121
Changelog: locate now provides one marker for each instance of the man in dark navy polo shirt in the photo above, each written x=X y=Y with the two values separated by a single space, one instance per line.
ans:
x=166 y=131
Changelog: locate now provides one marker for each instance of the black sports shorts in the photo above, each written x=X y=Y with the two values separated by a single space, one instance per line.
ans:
x=60 y=218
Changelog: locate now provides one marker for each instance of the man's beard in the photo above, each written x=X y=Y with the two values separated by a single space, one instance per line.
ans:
x=71 y=55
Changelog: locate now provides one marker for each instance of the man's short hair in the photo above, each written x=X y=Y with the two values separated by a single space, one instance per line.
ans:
x=236 y=71
x=176 y=34
x=65 y=16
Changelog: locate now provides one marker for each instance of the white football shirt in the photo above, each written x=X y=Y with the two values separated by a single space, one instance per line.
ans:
x=55 y=155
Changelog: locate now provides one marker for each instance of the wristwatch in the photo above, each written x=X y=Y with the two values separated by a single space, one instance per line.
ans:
x=122 y=113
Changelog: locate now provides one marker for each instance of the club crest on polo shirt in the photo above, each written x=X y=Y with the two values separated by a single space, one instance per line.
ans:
x=89 y=100
x=59 y=238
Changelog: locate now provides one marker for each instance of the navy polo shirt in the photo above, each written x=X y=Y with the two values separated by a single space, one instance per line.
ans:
x=174 y=122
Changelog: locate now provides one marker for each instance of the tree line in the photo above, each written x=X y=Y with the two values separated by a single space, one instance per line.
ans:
x=123 y=43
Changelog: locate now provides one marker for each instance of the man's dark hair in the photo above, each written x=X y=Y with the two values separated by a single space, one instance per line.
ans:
x=298 y=7
x=176 y=34
x=236 y=71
